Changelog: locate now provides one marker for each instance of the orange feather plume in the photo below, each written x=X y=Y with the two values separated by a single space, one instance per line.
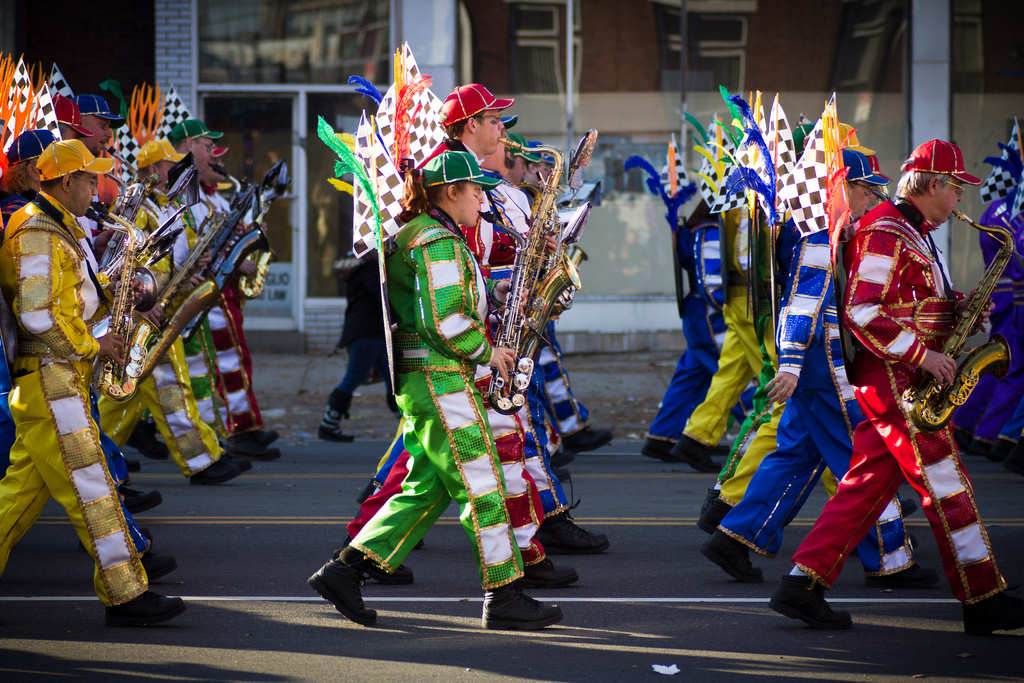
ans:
x=145 y=112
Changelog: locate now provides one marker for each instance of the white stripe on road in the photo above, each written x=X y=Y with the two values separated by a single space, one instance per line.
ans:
x=546 y=598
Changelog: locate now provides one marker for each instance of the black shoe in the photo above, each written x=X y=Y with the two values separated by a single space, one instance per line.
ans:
x=338 y=584
x=733 y=557
x=333 y=434
x=563 y=457
x=980 y=447
x=587 y=439
x=563 y=475
x=243 y=464
x=1001 y=450
x=158 y=566
x=132 y=464
x=914 y=576
x=219 y=472
x=402 y=575
x=800 y=597
x=136 y=501
x=148 y=608
x=247 y=445
x=143 y=439
x=963 y=438
x=264 y=437
x=1015 y=460
x=908 y=506
x=1001 y=612
x=694 y=454
x=508 y=608
x=713 y=514
x=545 y=574
x=560 y=536
x=659 y=449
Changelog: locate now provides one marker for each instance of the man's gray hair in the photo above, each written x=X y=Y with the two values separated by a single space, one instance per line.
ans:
x=916 y=183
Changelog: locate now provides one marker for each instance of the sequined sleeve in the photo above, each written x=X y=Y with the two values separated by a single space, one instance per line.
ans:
x=447 y=314
x=876 y=259
x=48 y=300
x=707 y=260
x=808 y=286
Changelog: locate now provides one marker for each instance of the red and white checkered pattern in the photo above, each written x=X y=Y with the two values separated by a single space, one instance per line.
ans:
x=999 y=181
x=806 y=192
x=389 y=188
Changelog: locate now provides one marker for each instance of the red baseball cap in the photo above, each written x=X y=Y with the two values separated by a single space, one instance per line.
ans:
x=469 y=100
x=939 y=156
x=68 y=114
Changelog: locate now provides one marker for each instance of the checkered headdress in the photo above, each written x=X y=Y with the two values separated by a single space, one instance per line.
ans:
x=174 y=113
x=19 y=104
x=45 y=115
x=673 y=173
x=805 y=195
x=1005 y=173
x=715 y=165
x=387 y=185
x=59 y=84
x=409 y=116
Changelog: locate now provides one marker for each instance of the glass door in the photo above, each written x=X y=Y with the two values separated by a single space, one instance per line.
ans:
x=258 y=131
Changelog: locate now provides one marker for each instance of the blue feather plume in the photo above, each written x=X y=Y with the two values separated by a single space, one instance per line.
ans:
x=748 y=178
x=1010 y=162
x=654 y=184
x=366 y=88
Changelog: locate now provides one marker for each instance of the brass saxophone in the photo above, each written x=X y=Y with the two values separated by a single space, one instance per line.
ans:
x=536 y=277
x=931 y=404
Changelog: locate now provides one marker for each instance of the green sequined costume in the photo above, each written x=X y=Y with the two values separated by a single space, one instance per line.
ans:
x=437 y=293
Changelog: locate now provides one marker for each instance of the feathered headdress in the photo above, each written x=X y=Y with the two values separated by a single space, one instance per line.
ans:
x=758 y=174
x=145 y=112
x=672 y=202
x=348 y=163
x=365 y=88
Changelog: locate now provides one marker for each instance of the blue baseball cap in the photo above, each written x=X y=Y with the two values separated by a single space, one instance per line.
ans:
x=96 y=106
x=29 y=145
x=546 y=158
x=859 y=168
x=509 y=121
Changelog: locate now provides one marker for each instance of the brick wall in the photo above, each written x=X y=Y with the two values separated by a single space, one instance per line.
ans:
x=174 y=48
x=323 y=325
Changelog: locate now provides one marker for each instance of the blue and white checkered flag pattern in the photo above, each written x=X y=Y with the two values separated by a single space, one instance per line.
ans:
x=1000 y=181
x=59 y=84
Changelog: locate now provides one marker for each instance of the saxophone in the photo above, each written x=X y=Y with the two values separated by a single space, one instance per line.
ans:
x=537 y=279
x=930 y=404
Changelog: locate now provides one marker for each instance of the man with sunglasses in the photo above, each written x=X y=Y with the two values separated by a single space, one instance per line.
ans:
x=900 y=308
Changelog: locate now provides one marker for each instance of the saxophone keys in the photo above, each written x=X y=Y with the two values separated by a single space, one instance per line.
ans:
x=518 y=400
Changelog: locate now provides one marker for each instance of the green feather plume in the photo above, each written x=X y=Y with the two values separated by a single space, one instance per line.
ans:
x=348 y=163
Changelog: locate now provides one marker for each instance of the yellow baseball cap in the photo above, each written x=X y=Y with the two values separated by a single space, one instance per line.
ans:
x=69 y=156
x=848 y=133
x=157 y=150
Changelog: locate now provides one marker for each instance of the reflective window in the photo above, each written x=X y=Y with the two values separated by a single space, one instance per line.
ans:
x=258 y=132
x=292 y=41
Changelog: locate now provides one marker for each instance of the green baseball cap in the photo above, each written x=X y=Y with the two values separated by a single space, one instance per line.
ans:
x=800 y=134
x=191 y=128
x=515 y=137
x=454 y=167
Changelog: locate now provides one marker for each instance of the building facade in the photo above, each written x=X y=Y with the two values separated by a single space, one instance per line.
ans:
x=263 y=70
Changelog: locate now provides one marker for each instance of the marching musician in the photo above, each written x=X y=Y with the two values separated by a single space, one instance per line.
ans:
x=45 y=273
x=21 y=181
x=437 y=291
x=900 y=308
x=167 y=392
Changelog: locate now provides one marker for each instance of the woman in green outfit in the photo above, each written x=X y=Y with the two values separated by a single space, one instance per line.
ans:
x=440 y=302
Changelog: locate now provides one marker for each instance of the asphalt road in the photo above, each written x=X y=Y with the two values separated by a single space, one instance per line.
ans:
x=244 y=551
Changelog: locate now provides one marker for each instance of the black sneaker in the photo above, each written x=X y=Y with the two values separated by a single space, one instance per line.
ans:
x=136 y=501
x=158 y=566
x=587 y=439
x=339 y=584
x=132 y=464
x=560 y=535
x=694 y=454
x=333 y=434
x=149 y=608
x=1001 y=450
x=247 y=445
x=980 y=447
x=1015 y=460
x=800 y=597
x=243 y=464
x=1001 y=612
x=963 y=438
x=563 y=457
x=563 y=475
x=733 y=557
x=219 y=472
x=265 y=438
x=143 y=439
x=914 y=576
x=713 y=514
x=508 y=608
x=402 y=575
x=545 y=574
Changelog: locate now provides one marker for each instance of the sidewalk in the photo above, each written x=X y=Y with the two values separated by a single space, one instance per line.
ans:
x=621 y=390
